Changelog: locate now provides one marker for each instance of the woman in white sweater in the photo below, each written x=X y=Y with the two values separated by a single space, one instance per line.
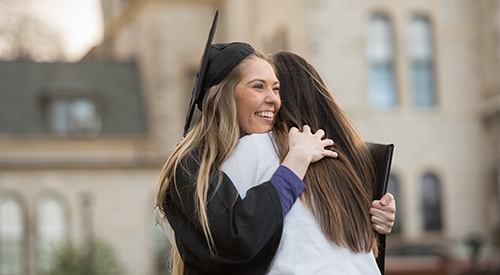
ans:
x=329 y=229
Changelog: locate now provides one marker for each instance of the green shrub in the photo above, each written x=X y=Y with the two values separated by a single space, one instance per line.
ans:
x=93 y=258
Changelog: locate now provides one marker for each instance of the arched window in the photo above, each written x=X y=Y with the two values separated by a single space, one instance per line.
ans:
x=12 y=235
x=380 y=53
x=393 y=188
x=420 y=51
x=51 y=227
x=431 y=202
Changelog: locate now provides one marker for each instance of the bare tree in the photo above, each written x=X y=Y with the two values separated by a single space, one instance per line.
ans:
x=25 y=37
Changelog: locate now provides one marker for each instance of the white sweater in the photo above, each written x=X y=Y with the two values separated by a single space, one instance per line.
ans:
x=303 y=248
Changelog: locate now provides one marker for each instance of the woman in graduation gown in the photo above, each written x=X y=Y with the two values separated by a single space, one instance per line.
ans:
x=216 y=231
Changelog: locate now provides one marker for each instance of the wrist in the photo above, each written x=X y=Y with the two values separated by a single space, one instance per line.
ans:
x=296 y=162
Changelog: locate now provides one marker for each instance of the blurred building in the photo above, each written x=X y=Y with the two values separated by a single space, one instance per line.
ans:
x=74 y=149
x=422 y=74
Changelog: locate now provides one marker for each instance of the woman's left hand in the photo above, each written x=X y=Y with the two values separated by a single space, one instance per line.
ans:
x=383 y=214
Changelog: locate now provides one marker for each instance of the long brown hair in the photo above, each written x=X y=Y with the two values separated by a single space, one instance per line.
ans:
x=216 y=134
x=339 y=191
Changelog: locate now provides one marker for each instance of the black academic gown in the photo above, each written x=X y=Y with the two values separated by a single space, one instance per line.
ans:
x=246 y=231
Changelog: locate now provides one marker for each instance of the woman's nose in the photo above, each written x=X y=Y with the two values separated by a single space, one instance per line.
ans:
x=272 y=97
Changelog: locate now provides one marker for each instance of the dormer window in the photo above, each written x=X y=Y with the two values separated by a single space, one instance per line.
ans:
x=73 y=116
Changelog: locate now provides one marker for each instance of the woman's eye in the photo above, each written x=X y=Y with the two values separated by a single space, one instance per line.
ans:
x=276 y=89
x=258 y=86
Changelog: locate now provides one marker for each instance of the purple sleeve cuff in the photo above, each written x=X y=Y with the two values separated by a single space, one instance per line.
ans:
x=288 y=186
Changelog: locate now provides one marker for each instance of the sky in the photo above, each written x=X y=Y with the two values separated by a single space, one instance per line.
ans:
x=79 y=23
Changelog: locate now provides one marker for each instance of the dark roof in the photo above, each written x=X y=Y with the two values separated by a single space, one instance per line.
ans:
x=116 y=86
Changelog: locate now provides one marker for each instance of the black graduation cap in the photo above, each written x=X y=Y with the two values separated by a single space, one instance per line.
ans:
x=217 y=62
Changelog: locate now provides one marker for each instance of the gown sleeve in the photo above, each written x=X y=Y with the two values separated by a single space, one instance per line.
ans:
x=246 y=232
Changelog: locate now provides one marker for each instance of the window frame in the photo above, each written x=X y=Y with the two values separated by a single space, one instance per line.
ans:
x=378 y=70
x=22 y=242
x=430 y=207
x=426 y=64
x=71 y=127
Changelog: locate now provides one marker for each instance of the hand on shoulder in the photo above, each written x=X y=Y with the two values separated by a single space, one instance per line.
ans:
x=305 y=148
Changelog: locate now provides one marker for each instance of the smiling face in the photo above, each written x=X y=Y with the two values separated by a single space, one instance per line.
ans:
x=257 y=97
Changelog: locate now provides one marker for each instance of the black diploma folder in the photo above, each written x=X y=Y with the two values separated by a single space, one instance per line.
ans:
x=382 y=156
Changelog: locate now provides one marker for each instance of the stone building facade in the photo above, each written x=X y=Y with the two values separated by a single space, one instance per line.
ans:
x=422 y=74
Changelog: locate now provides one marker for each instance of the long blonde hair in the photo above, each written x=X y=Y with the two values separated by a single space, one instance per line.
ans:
x=339 y=191
x=215 y=135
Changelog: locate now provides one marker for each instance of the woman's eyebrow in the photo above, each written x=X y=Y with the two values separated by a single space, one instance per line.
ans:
x=262 y=81
x=257 y=80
